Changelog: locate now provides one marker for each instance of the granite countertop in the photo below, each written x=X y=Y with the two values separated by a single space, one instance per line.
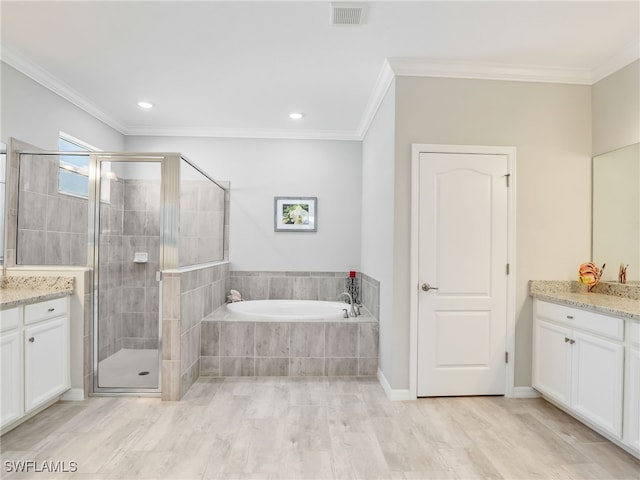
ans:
x=21 y=290
x=609 y=299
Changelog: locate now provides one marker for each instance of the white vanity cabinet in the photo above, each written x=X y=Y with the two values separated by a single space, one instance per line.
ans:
x=11 y=405
x=632 y=390
x=34 y=349
x=579 y=363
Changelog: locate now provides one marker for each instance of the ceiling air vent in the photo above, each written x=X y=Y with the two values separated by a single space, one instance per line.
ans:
x=343 y=13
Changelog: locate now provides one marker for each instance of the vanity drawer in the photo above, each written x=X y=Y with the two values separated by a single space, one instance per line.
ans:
x=634 y=333
x=36 y=312
x=9 y=318
x=604 y=325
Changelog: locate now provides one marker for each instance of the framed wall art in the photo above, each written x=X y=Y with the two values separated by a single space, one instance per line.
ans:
x=296 y=214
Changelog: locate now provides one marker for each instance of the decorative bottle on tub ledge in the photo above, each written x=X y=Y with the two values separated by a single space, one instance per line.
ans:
x=352 y=287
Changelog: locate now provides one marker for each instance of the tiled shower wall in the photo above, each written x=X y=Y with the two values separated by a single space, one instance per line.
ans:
x=140 y=294
x=52 y=227
x=110 y=273
x=202 y=222
x=129 y=292
x=189 y=296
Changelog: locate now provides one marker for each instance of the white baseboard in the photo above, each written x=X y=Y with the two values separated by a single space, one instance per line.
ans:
x=393 y=394
x=73 y=394
x=524 y=392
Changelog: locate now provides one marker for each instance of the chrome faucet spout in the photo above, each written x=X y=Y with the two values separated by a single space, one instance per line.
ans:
x=352 y=310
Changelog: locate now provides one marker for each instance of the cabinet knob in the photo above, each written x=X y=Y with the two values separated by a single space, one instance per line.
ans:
x=572 y=342
x=566 y=339
x=32 y=339
x=570 y=317
x=50 y=309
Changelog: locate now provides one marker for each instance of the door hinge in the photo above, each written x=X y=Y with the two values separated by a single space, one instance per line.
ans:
x=506 y=357
x=158 y=276
x=508 y=269
x=508 y=178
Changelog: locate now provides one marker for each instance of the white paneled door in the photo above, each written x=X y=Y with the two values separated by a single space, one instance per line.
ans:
x=462 y=273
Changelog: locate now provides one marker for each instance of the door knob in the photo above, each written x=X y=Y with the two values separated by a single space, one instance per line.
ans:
x=426 y=287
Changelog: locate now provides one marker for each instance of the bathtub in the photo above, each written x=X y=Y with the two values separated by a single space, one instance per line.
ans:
x=289 y=310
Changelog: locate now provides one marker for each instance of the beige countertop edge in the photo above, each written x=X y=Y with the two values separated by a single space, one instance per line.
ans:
x=14 y=297
x=606 y=304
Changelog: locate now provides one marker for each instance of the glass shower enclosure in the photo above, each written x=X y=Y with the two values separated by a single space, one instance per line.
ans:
x=128 y=234
x=144 y=214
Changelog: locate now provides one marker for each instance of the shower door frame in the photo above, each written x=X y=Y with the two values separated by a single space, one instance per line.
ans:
x=169 y=217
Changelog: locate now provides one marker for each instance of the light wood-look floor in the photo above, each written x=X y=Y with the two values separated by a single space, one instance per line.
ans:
x=287 y=428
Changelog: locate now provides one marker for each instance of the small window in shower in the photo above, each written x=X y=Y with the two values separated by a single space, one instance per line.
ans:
x=73 y=172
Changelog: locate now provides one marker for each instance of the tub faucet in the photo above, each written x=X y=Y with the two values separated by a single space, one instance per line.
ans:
x=352 y=310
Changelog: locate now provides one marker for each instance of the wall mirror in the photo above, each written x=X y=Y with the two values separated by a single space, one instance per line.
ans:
x=3 y=190
x=616 y=212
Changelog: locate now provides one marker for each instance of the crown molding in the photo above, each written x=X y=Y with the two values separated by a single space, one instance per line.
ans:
x=263 y=133
x=630 y=54
x=384 y=81
x=44 y=78
x=412 y=67
x=57 y=86
x=391 y=68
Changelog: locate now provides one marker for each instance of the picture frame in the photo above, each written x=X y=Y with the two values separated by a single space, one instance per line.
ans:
x=295 y=214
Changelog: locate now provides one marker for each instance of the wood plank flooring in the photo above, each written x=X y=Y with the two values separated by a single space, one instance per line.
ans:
x=311 y=428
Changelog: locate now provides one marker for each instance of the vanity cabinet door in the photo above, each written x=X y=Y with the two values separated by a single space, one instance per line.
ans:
x=10 y=377
x=46 y=361
x=552 y=361
x=597 y=376
x=632 y=403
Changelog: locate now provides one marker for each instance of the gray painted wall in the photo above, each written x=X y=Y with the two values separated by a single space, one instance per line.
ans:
x=616 y=109
x=378 y=219
x=258 y=170
x=36 y=115
x=550 y=125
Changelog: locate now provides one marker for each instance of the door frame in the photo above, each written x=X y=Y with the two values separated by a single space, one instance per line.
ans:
x=510 y=152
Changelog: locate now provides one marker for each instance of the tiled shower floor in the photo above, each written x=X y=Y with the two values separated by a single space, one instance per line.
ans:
x=122 y=369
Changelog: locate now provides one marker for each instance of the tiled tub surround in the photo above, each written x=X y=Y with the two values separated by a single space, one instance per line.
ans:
x=233 y=346
x=189 y=295
x=606 y=298
x=326 y=286
x=370 y=294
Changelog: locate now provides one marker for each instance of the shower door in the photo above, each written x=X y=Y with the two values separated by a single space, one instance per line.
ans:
x=127 y=246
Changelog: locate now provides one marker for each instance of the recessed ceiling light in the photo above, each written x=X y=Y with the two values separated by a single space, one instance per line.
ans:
x=145 y=105
x=296 y=115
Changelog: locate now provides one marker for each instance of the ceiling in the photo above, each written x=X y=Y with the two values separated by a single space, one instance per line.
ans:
x=238 y=68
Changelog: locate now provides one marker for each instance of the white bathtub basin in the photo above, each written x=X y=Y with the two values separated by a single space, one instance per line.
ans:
x=288 y=310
